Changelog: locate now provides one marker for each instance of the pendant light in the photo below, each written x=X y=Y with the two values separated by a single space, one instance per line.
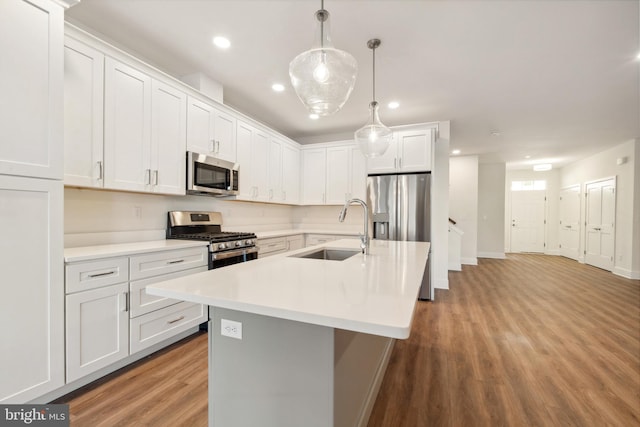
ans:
x=373 y=138
x=323 y=76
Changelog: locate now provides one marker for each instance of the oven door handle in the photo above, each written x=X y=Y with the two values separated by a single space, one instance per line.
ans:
x=234 y=253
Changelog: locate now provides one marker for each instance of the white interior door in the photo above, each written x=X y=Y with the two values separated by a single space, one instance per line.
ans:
x=528 y=221
x=600 y=223
x=570 y=222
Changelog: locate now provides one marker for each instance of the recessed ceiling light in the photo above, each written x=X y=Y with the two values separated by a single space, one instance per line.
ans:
x=221 y=42
x=638 y=57
x=277 y=87
x=455 y=152
x=393 y=105
x=495 y=133
x=527 y=157
x=313 y=116
x=542 y=167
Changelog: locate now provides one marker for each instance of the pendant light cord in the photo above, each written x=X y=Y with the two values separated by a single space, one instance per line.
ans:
x=322 y=25
x=374 y=74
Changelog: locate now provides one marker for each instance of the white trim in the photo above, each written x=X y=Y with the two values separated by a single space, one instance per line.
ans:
x=626 y=273
x=555 y=252
x=469 y=261
x=454 y=266
x=440 y=284
x=495 y=255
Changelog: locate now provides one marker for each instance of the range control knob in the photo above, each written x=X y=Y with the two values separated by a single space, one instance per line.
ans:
x=238 y=244
x=222 y=246
x=248 y=242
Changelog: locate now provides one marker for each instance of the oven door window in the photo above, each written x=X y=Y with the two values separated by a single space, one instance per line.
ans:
x=211 y=176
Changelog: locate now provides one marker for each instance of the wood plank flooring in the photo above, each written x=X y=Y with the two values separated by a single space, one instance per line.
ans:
x=532 y=340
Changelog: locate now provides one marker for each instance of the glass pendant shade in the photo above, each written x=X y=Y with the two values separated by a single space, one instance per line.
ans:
x=373 y=138
x=323 y=76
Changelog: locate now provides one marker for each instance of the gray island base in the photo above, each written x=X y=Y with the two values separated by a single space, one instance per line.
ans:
x=290 y=374
x=316 y=334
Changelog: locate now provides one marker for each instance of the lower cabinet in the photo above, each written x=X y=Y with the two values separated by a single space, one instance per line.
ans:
x=278 y=245
x=319 y=239
x=109 y=315
x=97 y=323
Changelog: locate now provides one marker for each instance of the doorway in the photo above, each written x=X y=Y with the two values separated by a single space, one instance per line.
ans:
x=570 y=204
x=528 y=218
x=600 y=219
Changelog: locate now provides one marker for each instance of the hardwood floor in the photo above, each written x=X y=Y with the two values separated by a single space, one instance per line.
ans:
x=532 y=340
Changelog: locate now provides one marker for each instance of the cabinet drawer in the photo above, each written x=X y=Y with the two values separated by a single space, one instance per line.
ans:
x=142 y=303
x=157 y=263
x=154 y=327
x=82 y=276
x=272 y=246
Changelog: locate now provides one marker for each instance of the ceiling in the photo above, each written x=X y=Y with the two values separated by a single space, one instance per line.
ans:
x=552 y=80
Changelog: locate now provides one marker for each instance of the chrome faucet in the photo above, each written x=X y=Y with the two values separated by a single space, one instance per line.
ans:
x=364 y=238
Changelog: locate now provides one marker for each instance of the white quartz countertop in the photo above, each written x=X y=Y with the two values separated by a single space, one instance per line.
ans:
x=374 y=294
x=86 y=253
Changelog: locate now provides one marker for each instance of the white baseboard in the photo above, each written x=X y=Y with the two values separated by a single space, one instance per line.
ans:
x=553 y=252
x=455 y=266
x=469 y=261
x=626 y=273
x=495 y=255
x=440 y=284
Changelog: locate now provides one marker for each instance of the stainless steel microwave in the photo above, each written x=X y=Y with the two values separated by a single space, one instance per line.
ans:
x=211 y=176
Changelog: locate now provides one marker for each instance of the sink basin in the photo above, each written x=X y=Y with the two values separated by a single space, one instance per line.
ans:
x=328 y=254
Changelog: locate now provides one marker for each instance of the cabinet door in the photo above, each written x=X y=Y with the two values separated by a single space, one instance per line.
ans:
x=414 y=149
x=32 y=303
x=337 y=175
x=358 y=174
x=127 y=127
x=385 y=163
x=200 y=124
x=290 y=174
x=295 y=242
x=224 y=128
x=314 y=169
x=97 y=325
x=260 y=164
x=168 y=134
x=83 y=114
x=275 y=170
x=244 y=136
x=31 y=120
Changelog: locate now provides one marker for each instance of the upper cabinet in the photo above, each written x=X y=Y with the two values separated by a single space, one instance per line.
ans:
x=410 y=151
x=290 y=174
x=210 y=131
x=332 y=174
x=83 y=114
x=253 y=158
x=31 y=40
x=144 y=132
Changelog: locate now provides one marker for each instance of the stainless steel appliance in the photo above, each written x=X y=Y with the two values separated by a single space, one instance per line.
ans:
x=211 y=176
x=225 y=248
x=400 y=209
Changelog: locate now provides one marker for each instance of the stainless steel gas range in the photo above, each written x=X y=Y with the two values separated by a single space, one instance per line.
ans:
x=225 y=248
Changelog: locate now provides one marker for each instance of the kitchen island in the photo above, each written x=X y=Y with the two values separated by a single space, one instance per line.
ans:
x=303 y=342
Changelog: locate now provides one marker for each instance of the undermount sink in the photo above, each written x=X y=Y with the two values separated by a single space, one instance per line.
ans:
x=328 y=254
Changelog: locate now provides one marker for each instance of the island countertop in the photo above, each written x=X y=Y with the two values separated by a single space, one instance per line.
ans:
x=374 y=294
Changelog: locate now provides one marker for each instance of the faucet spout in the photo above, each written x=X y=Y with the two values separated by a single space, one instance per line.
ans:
x=364 y=238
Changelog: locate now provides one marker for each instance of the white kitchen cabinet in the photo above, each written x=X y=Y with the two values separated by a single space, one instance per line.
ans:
x=168 y=139
x=97 y=325
x=290 y=174
x=210 y=131
x=332 y=174
x=144 y=132
x=314 y=169
x=275 y=193
x=277 y=245
x=295 y=242
x=31 y=208
x=31 y=44
x=83 y=114
x=253 y=158
x=127 y=127
x=410 y=151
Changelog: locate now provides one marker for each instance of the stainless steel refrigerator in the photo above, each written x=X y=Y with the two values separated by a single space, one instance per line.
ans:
x=400 y=209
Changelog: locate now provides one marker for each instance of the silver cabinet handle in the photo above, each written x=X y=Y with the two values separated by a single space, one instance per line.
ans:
x=100 y=171
x=175 y=262
x=155 y=177
x=147 y=176
x=212 y=145
x=400 y=163
x=126 y=301
x=395 y=163
x=597 y=228
x=217 y=147
x=175 y=320
x=108 y=273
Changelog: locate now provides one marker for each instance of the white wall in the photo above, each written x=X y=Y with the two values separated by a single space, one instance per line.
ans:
x=491 y=201
x=463 y=203
x=326 y=218
x=440 y=209
x=635 y=247
x=93 y=217
x=604 y=165
x=552 y=229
